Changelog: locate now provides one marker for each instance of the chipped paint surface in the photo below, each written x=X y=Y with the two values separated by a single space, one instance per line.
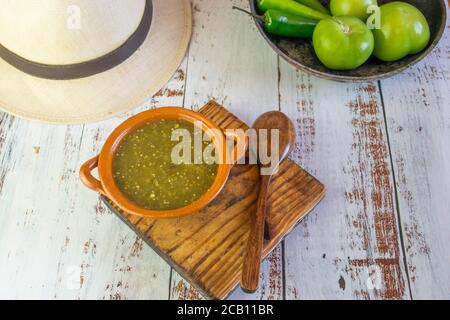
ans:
x=421 y=153
x=382 y=150
x=270 y=282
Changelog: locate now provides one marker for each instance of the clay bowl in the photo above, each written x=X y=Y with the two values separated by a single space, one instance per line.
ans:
x=106 y=185
x=300 y=53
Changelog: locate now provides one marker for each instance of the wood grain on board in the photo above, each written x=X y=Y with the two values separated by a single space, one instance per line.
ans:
x=207 y=248
x=417 y=105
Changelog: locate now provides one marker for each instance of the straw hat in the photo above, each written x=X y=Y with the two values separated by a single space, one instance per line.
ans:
x=77 y=61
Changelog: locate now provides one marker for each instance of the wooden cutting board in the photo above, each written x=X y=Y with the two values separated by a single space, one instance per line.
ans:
x=207 y=248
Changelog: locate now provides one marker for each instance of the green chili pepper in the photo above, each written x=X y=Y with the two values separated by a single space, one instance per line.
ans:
x=291 y=7
x=285 y=24
x=314 y=4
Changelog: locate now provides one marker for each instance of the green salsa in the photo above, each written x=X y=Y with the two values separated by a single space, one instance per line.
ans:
x=144 y=171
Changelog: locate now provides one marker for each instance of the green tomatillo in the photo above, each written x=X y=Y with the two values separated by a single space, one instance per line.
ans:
x=342 y=43
x=356 y=8
x=404 y=30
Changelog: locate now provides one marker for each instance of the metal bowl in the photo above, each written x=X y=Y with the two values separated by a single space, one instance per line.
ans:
x=300 y=52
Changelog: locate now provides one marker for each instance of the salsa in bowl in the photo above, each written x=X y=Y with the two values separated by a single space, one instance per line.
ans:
x=146 y=172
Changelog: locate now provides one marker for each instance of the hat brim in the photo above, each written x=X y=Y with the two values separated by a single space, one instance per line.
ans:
x=109 y=93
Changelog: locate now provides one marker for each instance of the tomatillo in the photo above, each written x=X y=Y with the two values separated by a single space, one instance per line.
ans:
x=342 y=43
x=403 y=30
x=356 y=8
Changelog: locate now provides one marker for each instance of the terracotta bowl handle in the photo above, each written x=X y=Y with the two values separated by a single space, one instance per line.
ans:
x=240 y=145
x=87 y=178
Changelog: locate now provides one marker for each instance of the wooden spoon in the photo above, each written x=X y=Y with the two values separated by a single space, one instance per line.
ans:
x=253 y=256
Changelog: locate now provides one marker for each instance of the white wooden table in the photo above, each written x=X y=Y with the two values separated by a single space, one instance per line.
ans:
x=381 y=148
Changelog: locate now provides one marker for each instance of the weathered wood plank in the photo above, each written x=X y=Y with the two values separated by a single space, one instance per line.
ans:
x=417 y=105
x=57 y=239
x=230 y=63
x=354 y=231
x=29 y=206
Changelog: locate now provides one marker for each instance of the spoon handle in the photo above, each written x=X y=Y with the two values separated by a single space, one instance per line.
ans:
x=253 y=254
